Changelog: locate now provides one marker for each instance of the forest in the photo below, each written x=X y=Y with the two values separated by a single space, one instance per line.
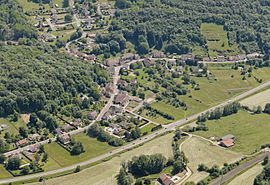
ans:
x=13 y=23
x=175 y=27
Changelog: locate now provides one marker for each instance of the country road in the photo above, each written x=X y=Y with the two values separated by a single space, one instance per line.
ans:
x=136 y=142
x=228 y=176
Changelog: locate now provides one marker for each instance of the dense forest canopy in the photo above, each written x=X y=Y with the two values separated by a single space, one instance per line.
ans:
x=174 y=25
x=34 y=79
x=13 y=23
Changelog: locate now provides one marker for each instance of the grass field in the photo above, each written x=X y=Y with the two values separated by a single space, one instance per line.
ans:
x=147 y=128
x=259 y=99
x=29 y=6
x=105 y=172
x=217 y=40
x=4 y=173
x=250 y=131
x=62 y=157
x=200 y=151
x=248 y=176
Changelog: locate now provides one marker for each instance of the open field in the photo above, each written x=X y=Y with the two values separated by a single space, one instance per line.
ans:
x=217 y=40
x=62 y=157
x=147 y=128
x=260 y=99
x=250 y=131
x=248 y=176
x=200 y=151
x=105 y=172
x=31 y=6
x=4 y=173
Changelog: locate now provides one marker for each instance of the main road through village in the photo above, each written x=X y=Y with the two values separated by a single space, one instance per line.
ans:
x=135 y=143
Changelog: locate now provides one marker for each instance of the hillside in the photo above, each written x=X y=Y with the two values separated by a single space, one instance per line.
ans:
x=174 y=26
x=13 y=23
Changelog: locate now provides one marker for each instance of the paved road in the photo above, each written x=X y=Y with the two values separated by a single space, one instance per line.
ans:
x=136 y=142
x=225 y=178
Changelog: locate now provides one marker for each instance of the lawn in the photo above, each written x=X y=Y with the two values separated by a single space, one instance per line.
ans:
x=13 y=127
x=147 y=128
x=248 y=176
x=217 y=40
x=250 y=131
x=259 y=99
x=29 y=6
x=4 y=173
x=104 y=173
x=62 y=157
x=200 y=151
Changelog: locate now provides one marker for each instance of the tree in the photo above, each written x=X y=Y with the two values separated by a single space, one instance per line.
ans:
x=77 y=149
x=267 y=108
x=2 y=158
x=25 y=170
x=14 y=163
x=68 y=18
x=77 y=169
x=23 y=132
x=124 y=178
x=265 y=160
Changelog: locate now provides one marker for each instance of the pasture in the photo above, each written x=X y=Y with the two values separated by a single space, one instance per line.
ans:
x=198 y=151
x=248 y=176
x=250 y=131
x=260 y=99
x=105 y=172
x=217 y=40
x=62 y=157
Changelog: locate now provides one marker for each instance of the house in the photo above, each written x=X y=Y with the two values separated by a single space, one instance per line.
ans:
x=227 y=143
x=111 y=62
x=165 y=179
x=187 y=57
x=58 y=131
x=148 y=62
x=158 y=54
x=67 y=128
x=127 y=57
x=34 y=137
x=122 y=83
x=109 y=90
x=121 y=99
x=92 y=115
x=64 y=138
x=206 y=59
x=196 y=69
x=33 y=148
x=253 y=55
x=77 y=123
x=229 y=136
x=3 y=127
x=220 y=59
x=22 y=142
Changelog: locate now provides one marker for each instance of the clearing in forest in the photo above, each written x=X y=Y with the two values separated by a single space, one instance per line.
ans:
x=217 y=40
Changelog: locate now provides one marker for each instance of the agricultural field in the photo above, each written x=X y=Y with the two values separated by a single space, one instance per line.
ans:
x=198 y=151
x=92 y=149
x=105 y=172
x=260 y=99
x=217 y=40
x=250 y=131
x=248 y=176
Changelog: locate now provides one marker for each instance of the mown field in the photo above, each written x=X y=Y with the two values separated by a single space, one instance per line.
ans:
x=61 y=157
x=260 y=99
x=105 y=172
x=200 y=151
x=4 y=173
x=248 y=176
x=217 y=40
x=250 y=131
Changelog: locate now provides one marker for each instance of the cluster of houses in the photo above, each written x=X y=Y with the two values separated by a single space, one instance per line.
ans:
x=32 y=138
x=240 y=57
x=165 y=179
